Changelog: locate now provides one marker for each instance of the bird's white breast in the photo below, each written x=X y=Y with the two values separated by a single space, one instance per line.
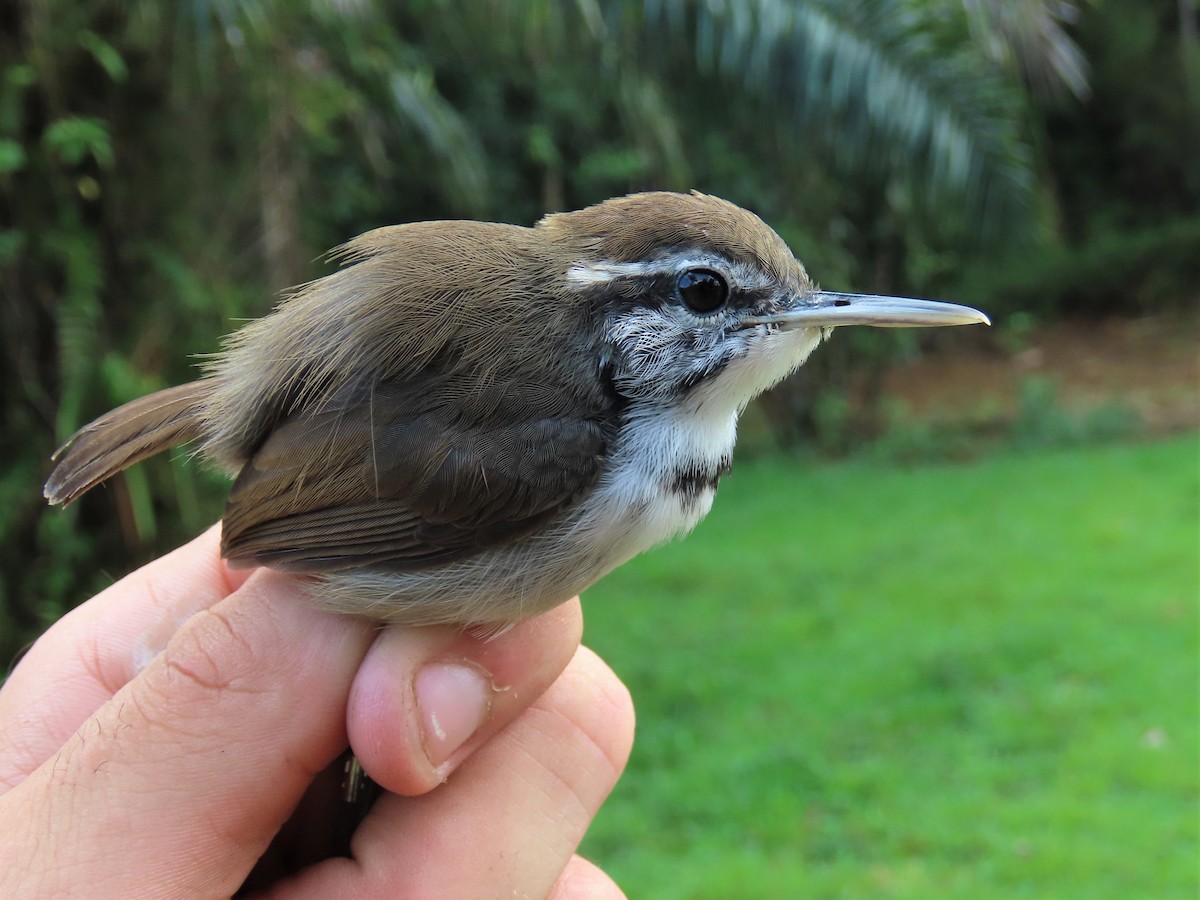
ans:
x=637 y=503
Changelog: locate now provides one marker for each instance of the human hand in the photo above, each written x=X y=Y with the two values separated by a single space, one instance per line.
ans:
x=167 y=737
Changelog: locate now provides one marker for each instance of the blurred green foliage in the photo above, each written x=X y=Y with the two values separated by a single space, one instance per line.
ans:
x=167 y=169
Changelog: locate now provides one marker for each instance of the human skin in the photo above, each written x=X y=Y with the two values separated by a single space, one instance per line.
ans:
x=169 y=737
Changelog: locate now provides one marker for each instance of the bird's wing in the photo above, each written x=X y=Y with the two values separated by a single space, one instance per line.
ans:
x=392 y=484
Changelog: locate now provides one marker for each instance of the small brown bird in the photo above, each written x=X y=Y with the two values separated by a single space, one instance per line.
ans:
x=472 y=422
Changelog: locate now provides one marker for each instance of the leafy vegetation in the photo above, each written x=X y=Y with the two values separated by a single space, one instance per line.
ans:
x=943 y=681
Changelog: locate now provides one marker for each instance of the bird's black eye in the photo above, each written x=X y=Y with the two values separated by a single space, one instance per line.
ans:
x=703 y=290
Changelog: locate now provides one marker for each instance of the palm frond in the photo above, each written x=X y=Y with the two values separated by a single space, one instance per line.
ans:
x=868 y=81
x=1029 y=37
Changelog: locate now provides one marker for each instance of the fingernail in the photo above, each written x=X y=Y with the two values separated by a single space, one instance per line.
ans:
x=454 y=699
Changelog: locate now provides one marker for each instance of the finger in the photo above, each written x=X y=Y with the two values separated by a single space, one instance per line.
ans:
x=508 y=821
x=584 y=880
x=193 y=766
x=425 y=698
x=90 y=653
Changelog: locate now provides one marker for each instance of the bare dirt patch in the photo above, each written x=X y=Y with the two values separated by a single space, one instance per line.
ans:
x=1150 y=366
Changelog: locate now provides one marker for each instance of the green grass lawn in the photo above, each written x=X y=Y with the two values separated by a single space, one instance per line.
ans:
x=956 y=681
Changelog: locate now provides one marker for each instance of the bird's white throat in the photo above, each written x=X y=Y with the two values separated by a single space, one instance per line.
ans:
x=663 y=474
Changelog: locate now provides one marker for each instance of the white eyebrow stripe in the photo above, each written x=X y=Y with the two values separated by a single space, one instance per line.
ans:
x=602 y=272
x=581 y=276
x=745 y=276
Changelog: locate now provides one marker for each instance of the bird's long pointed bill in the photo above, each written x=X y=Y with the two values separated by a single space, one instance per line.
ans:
x=828 y=310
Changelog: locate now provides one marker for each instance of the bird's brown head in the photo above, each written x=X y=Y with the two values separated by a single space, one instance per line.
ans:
x=701 y=302
x=642 y=228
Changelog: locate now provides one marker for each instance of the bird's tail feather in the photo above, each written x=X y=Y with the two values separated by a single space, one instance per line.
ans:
x=126 y=435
